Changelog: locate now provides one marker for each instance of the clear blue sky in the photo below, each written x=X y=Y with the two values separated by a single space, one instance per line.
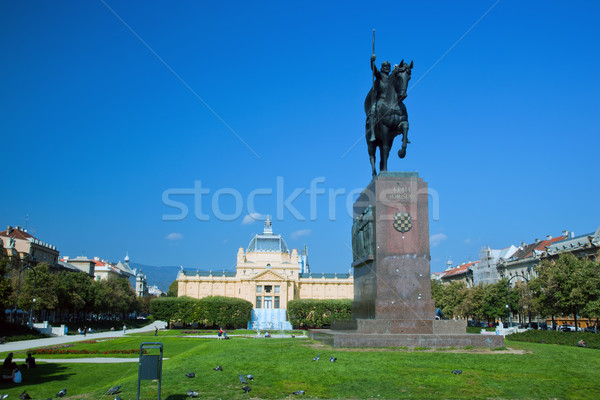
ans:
x=95 y=127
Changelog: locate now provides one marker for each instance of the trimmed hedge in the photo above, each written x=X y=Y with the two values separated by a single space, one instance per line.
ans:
x=171 y=309
x=16 y=332
x=209 y=312
x=556 y=337
x=308 y=314
x=223 y=311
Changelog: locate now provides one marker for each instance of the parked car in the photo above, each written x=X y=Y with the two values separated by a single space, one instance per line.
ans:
x=566 y=328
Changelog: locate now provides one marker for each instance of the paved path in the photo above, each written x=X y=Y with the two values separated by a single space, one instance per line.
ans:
x=28 y=344
x=90 y=360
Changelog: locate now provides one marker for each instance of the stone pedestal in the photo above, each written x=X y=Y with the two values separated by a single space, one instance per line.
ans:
x=392 y=281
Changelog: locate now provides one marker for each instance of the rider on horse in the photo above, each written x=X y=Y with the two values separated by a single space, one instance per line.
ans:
x=379 y=89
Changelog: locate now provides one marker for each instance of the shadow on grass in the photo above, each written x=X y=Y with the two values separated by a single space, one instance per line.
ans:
x=44 y=373
x=178 y=397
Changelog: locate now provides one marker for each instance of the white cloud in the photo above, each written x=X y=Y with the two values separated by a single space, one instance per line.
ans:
x=251 y=218
x=437 y=239
x=174 y=236
x=300 y=233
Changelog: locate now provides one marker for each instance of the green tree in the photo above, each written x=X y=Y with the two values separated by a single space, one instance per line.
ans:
x=5 y=283
x=452 y=297
x=437 y=291
x=144 y=304
x=122 y=296
x=473 y=303
x=567 y=285
x=172 y=289
x=75 y=291
x=494 y=300
x=46 y=297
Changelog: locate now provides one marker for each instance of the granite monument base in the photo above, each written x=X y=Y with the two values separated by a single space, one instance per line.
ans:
x=392 y=304
x=358 y=339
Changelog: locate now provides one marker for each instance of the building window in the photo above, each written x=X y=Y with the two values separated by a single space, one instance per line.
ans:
x=268 y=289
x=276 y=289
x=268 y=302
x=276 y=302
x=268 y=266
x=258 y=302
x=258 y=288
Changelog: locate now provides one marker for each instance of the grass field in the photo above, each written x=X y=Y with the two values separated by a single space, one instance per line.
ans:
x=281 y=366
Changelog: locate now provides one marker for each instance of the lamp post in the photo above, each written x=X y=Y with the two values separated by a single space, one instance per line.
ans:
x=27 y=265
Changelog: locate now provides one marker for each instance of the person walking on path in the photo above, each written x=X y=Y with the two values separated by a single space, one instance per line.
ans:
x=124 y=328
x=156 y=331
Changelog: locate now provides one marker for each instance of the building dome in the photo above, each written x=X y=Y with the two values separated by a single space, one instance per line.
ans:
x=267 y=242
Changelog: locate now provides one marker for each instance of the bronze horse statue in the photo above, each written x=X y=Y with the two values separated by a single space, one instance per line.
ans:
x=390 y=117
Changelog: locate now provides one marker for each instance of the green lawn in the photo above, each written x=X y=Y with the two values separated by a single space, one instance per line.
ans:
x=281 y=366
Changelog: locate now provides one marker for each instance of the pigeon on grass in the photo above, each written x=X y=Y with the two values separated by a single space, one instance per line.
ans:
x=332 y=359
x=317 y=357
x=243 y=380
x=25 y=395
x=246 y=389
x=114 y=390
x=298 y=392
x=218 y=368
x=457 y=371
x=190 y=374
x=62 y=393
x=191 y=393
x=250 y=377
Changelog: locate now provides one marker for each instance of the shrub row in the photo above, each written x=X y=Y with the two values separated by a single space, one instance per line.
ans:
x=308 y=314
x=555 y=337
x=15 y=332
x=209 y=312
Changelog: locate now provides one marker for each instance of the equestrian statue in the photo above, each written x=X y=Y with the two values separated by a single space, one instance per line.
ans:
x=386 y=113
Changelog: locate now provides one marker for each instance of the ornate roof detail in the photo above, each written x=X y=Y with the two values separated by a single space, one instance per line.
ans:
x=267 y=242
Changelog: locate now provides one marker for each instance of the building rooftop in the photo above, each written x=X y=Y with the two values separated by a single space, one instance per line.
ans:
x=461 y=269
x=267 y=242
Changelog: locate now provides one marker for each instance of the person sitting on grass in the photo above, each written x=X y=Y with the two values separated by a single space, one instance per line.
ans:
x=8 y=362
x=15 y=376
x=30 y=361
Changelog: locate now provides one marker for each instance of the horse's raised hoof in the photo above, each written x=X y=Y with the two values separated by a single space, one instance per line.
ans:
x=402 y=152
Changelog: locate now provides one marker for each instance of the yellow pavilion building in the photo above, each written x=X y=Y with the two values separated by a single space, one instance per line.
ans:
x=268 y=275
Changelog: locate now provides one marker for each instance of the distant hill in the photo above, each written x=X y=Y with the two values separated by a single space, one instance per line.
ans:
x=159 y=276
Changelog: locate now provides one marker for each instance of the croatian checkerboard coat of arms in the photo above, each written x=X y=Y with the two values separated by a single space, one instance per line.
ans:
x=402 y=222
